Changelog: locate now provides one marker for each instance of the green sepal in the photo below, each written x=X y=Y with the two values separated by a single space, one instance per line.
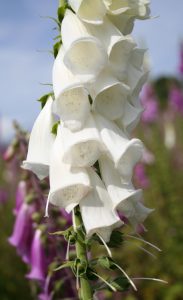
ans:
x=44 y=99
x=61 y=12
x=107 y=263
x=55 y=128
x=56 y=48
x=121 y=283
x=67 y=264
x=79 y=267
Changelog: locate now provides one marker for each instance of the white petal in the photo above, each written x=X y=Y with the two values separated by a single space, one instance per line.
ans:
x=120 y=56
x=68 y=185
x=91 y=11
x=135 y=78
x=40 y=142
x=123 y=22
x=71 y=103
x=96 y=209
x=130 y=118
x=137 y=86
x=139 y=214
x=121 y=194
x=125 y=153
x=109 y=95
x=117 y=7
x=85 y=54
x=107 y=33
x=137 y=58
x=82 y=148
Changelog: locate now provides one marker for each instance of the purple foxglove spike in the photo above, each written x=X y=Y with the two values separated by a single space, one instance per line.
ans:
x=181 y=59
x=45 y=296
x=38 y=265
x=3 y=196
x=140 y=176
x=176 y=99
x=22 y=232
x=150 y=113
x=20 y=196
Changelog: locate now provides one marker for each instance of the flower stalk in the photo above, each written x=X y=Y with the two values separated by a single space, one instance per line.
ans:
x=85 y=291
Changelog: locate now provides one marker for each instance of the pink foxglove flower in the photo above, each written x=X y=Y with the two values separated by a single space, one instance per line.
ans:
x=38 y=266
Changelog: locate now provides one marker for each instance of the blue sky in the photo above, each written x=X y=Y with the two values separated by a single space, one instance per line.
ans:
x=22 y=67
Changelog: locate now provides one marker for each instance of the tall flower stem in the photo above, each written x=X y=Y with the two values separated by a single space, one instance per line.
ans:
x=85 y=291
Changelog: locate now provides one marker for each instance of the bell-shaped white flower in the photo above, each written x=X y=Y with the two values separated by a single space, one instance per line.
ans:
x=85 y=54
x=137 y=58
x=96 y=209
x=116 y=44
x=41 y=142
x=138 y=214
x=109 y=95
x=71 y=97
x=91 y=11
x=136 y=8
x=81 y=148
x=123 y=22
x=122 y=194
x=130 y=118
x=136 y=85
x=125 y=153
x=68 y=185
x=124 y=197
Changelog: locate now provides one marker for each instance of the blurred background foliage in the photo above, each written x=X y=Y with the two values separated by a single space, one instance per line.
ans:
x=164 y=225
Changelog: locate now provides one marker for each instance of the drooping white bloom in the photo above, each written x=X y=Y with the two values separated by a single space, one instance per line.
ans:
x=91 y=11
x=116 y=44
x=84 y=53
x=81 y=148
x=136 y=8
x=123 y=195
x=68 y=185
x=71 y=97
x=123 y=22
x=119 y=192
x=109 y=95
x=41 y=142
x=125 y=153
x=130 y=118
x=97 y=211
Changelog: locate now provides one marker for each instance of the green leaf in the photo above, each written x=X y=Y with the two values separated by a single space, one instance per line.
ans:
x=61 y=12
x=121 y=284
x=56 y=48
x=55 y=128
x=44 y=99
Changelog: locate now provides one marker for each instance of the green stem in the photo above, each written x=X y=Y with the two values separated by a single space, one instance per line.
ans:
x=61 y=3
x=85 y=291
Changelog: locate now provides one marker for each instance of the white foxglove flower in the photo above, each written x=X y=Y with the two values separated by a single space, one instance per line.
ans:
x=91 y=11
x=68 y=185
x=109 y=95
x=136 y=8
x=137 y=58
x=121 y=194
x=125 y=153
x=123 y=22
x=85 y=54
x=41 y=142
x=136 y=86
x=130 y=118
x=81 y=148
x=124 y=197
x=96 y=210
x=116 y=44
x=71 y=97
x=138 y=214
